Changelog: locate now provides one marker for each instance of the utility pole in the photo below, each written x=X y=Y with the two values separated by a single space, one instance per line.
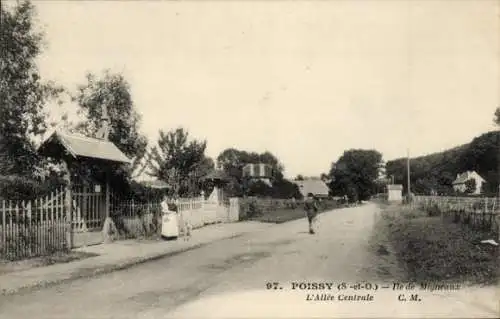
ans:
x=498 y=162
x=408 y=172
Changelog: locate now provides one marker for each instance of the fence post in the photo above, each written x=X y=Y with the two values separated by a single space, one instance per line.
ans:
x=4 y=227
x=68 y=207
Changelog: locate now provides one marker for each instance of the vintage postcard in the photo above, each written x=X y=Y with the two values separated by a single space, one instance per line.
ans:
x=249 y=159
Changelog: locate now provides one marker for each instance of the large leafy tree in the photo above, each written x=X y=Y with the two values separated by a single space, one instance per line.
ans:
x=232 y=161
x=355 y=174
x=181 y=162
x=112 y=91
x=23 y=94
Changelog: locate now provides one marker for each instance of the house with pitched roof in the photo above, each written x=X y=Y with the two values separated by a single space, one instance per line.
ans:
x=88 y=162
x=317 y=187
x=259 y=172
x=459 y=184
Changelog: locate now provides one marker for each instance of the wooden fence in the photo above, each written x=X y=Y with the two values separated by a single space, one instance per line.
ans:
x=479 y=213
x=133 y=219
x=40 y=227
x=33 y=228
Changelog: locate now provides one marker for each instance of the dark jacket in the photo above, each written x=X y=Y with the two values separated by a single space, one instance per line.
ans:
x=311 y=207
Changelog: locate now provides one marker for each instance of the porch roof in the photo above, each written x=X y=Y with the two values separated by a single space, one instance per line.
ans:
x=82 y=146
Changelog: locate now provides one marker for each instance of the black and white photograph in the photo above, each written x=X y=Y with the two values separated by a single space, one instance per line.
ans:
x=249 y=159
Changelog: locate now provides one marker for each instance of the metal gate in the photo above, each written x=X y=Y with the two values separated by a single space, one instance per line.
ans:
x=89 y=213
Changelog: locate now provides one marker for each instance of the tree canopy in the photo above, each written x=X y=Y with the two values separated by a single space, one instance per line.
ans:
x=23 y=93
x=437 y=171
x=112 y=91
x=355 y=173
x=232 y=161
x=181 y=162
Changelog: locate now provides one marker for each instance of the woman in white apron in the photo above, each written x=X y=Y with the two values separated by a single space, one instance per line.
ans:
x=169 y=221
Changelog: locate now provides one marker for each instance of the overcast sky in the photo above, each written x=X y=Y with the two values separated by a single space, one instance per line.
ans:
x=304 y=80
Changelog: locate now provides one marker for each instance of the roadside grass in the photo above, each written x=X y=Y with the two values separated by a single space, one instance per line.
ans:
x=432 y=249
x=57 y=258
x=283 y=215
x=280 y=215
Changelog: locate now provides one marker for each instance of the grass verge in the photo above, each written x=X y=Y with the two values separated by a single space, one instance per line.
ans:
x=431 y=249
x=283 y=215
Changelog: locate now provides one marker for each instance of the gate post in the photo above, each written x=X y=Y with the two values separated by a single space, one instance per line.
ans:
x=109 y=226
x=68 y=207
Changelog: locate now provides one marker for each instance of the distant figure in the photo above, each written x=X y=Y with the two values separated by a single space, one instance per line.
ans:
x=311 y=208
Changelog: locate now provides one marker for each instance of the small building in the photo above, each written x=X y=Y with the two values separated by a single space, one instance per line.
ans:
x=88 y=191
x=88 y=165
x=317 y=187
x=394 y=192
x=459 y=184
x=259 y=172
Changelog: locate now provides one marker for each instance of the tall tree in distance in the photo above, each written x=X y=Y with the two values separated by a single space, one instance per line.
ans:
x=497 y=122
x=23 y=94
x=355 y=174
x=180 y=162
x=232 y=161
x=112 y=91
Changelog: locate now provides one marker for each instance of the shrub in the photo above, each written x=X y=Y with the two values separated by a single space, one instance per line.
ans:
x=25 y=188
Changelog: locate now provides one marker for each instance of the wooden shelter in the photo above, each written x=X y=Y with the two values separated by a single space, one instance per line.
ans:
x=88 y=162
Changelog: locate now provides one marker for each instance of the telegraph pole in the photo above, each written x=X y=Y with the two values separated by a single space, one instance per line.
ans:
x=408 y=172
x=498 y=162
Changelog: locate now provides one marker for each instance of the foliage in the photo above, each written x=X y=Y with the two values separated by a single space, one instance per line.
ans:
x=113 y=92
x=286 y=189
x=470 y=186
x=299 y=178
x=181 y=162
x=438 y=171
x=259 y=188
x=496 y=118
x=15 y=187
x=23 y=94
x=232 y=161
x=355 y=173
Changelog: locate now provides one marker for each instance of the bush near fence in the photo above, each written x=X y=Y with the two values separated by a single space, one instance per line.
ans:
x=19 y=188
x=32 y=228
x=135 y=219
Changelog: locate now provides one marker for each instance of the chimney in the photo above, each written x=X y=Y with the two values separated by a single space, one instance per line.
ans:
x=103 y=131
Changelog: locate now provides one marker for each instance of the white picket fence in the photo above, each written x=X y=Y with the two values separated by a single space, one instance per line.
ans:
x=199 y=211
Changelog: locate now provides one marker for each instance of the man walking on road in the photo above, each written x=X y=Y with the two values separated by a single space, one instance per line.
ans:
x=311 y=208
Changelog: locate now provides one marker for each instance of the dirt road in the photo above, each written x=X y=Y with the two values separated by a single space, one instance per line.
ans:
x=228 y=279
